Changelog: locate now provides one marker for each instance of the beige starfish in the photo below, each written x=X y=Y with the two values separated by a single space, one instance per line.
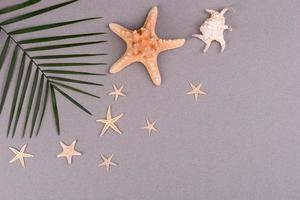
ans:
x=110 y=122
x=68 y=151
x=150 y=127
x=107 y=162
x=143 y=45
x=117 y=92
x=20 y=155
x=196 y=91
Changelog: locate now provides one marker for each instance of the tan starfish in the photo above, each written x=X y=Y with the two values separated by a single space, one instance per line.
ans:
x=107 y=162
x=110 y=122
x=196 y=91
x=20 y=155
x=68 y=151
x=150 y=127
x=143 y=45
x=117 y=92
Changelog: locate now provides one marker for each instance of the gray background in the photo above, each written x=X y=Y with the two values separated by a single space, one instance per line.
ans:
x=241 y=141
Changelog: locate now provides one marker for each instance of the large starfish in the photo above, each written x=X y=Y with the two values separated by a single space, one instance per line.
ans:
x=143 y=45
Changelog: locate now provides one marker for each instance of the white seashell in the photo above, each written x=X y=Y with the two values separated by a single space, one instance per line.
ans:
x=213 y=28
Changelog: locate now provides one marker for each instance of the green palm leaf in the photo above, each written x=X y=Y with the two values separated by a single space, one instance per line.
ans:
x=9 y=76
x=4 y=51
x=48 y=26
x=34 y=13
x=30 y=101
x=37 y=104
x=70 y=72
x=54 y=109
x=45 y=100
x=60 y=46
x=66 y=56
x=16 y=93
x=72 y=100
x=74 y=89
x=59 y=37
x=68 y=64
x=22 y=96
x=18 y=6
x=41 y=84
x=73 y=80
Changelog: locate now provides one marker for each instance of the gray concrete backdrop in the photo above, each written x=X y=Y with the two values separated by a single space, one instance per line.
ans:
x=240 y=142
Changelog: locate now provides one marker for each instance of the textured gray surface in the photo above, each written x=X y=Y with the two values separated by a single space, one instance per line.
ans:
x=241 y=141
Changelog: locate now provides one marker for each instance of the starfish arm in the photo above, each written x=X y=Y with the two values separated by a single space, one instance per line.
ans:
x=27 y=155
x=101 y=164
x=108 y=114
x=151 y=19
x=76 y=153
x=113 y=164
x=14 y=159
x=14 y=150
x=121 y=31
x=107 y=166
x=69 y=159
x=115 y=128
x=62 y=144
x=117 y=118
x=73 y=144
x=102 y=121
x=22 y=162
x=170 y=44
x=105 y=128
x=23 y=148
x=60 y=155
x=152 y=68
x=120 y=64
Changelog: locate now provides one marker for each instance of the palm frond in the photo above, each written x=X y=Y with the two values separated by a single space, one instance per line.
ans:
x=73 y=80
x=55 y=38
x=34 y=13
x=16 y=93
x=48 y=26
x=72 y=100
x=9 y=76
x=61 y=46
x=74 y=89
x=18 y=6
x=66 y=56
x=4 y=51
x=54 y=109
x=68 y=64
x=50 y=71
x=41 y=85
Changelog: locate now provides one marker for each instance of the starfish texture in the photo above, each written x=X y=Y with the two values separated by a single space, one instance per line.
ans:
x=107 y=162
x=196 y=91
x=117 y=92
x=109 y=122
x=150 y=127
x=143 y=45
x=68 y=151
x=20 y=155
x=213 y=28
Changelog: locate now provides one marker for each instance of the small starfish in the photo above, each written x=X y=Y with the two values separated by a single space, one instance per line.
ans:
x=68 y=151
x=20 y=155
x=150 y=127
x=110 y=122
x=107 y=162
x=196 y=91
x=143 y=45
x=117 y=92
